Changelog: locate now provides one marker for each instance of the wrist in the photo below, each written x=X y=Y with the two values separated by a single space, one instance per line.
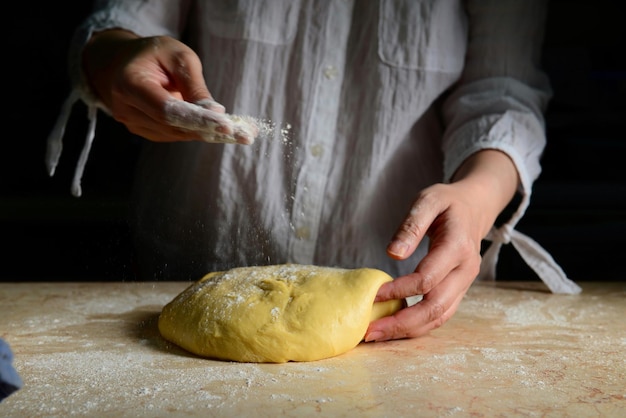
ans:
x=490 y=178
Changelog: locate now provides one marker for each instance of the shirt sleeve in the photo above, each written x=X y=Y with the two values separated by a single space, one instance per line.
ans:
x=144 y=18
x=499 y=103
x=10 y=381
x=500 y=99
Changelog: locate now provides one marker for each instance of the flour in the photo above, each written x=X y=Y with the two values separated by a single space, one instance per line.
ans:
x=146 y=381
x=93 y=349
x=139 y=380
x=208 y=119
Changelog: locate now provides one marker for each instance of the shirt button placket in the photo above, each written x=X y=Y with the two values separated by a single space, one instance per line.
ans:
x=315 y=170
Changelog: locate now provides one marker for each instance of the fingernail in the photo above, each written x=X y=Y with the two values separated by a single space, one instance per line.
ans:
x=374 y=336
x=398 y=248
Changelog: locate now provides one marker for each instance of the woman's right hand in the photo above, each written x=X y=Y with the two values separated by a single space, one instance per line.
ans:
x=156 y=88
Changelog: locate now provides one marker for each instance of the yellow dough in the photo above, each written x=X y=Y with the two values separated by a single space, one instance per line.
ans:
x=276 y=313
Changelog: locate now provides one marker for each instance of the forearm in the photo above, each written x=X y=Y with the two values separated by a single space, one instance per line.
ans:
x=490 y=179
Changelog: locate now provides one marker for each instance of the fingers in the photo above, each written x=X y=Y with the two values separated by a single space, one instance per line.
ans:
x=245 y=129
x=183 y=121
x=197 y=111
x=428 y=274
x=443 y=275
x=426 y=216
x=209 y=125
x=436 y=308
x=414 y=227
x=161 y=94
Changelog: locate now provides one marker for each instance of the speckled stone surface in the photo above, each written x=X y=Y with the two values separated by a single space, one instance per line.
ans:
x=512 y=349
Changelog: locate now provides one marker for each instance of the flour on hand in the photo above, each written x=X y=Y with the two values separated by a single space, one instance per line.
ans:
x=207 y=119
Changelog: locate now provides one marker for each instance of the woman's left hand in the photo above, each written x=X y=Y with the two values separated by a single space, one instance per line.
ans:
x=455 y=217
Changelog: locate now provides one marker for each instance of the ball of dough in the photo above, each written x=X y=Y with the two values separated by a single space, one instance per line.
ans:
x=275 y=314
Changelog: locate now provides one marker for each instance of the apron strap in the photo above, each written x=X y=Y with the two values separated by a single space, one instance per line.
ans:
x=55 y=140
x=532 y=253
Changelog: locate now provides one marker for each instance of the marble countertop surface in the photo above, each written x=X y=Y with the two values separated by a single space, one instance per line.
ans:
x=512 y=349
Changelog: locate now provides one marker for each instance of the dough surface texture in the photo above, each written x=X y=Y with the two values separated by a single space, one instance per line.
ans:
x=275 y=314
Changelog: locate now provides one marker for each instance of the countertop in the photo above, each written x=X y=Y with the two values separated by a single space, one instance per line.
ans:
x=512 y=349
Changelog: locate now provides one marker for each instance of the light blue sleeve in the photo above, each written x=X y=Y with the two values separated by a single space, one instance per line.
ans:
x=10 y=381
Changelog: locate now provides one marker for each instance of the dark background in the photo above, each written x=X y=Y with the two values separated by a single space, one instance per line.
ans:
x=578 y=211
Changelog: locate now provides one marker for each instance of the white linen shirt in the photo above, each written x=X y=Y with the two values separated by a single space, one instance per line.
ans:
x=383 y=98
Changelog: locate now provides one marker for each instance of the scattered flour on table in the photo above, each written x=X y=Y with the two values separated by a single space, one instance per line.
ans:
x=103 y=382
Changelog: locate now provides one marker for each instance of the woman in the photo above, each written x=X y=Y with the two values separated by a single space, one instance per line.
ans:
x=415 y=122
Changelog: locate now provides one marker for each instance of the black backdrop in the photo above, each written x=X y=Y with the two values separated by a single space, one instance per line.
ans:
x=578 y=212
